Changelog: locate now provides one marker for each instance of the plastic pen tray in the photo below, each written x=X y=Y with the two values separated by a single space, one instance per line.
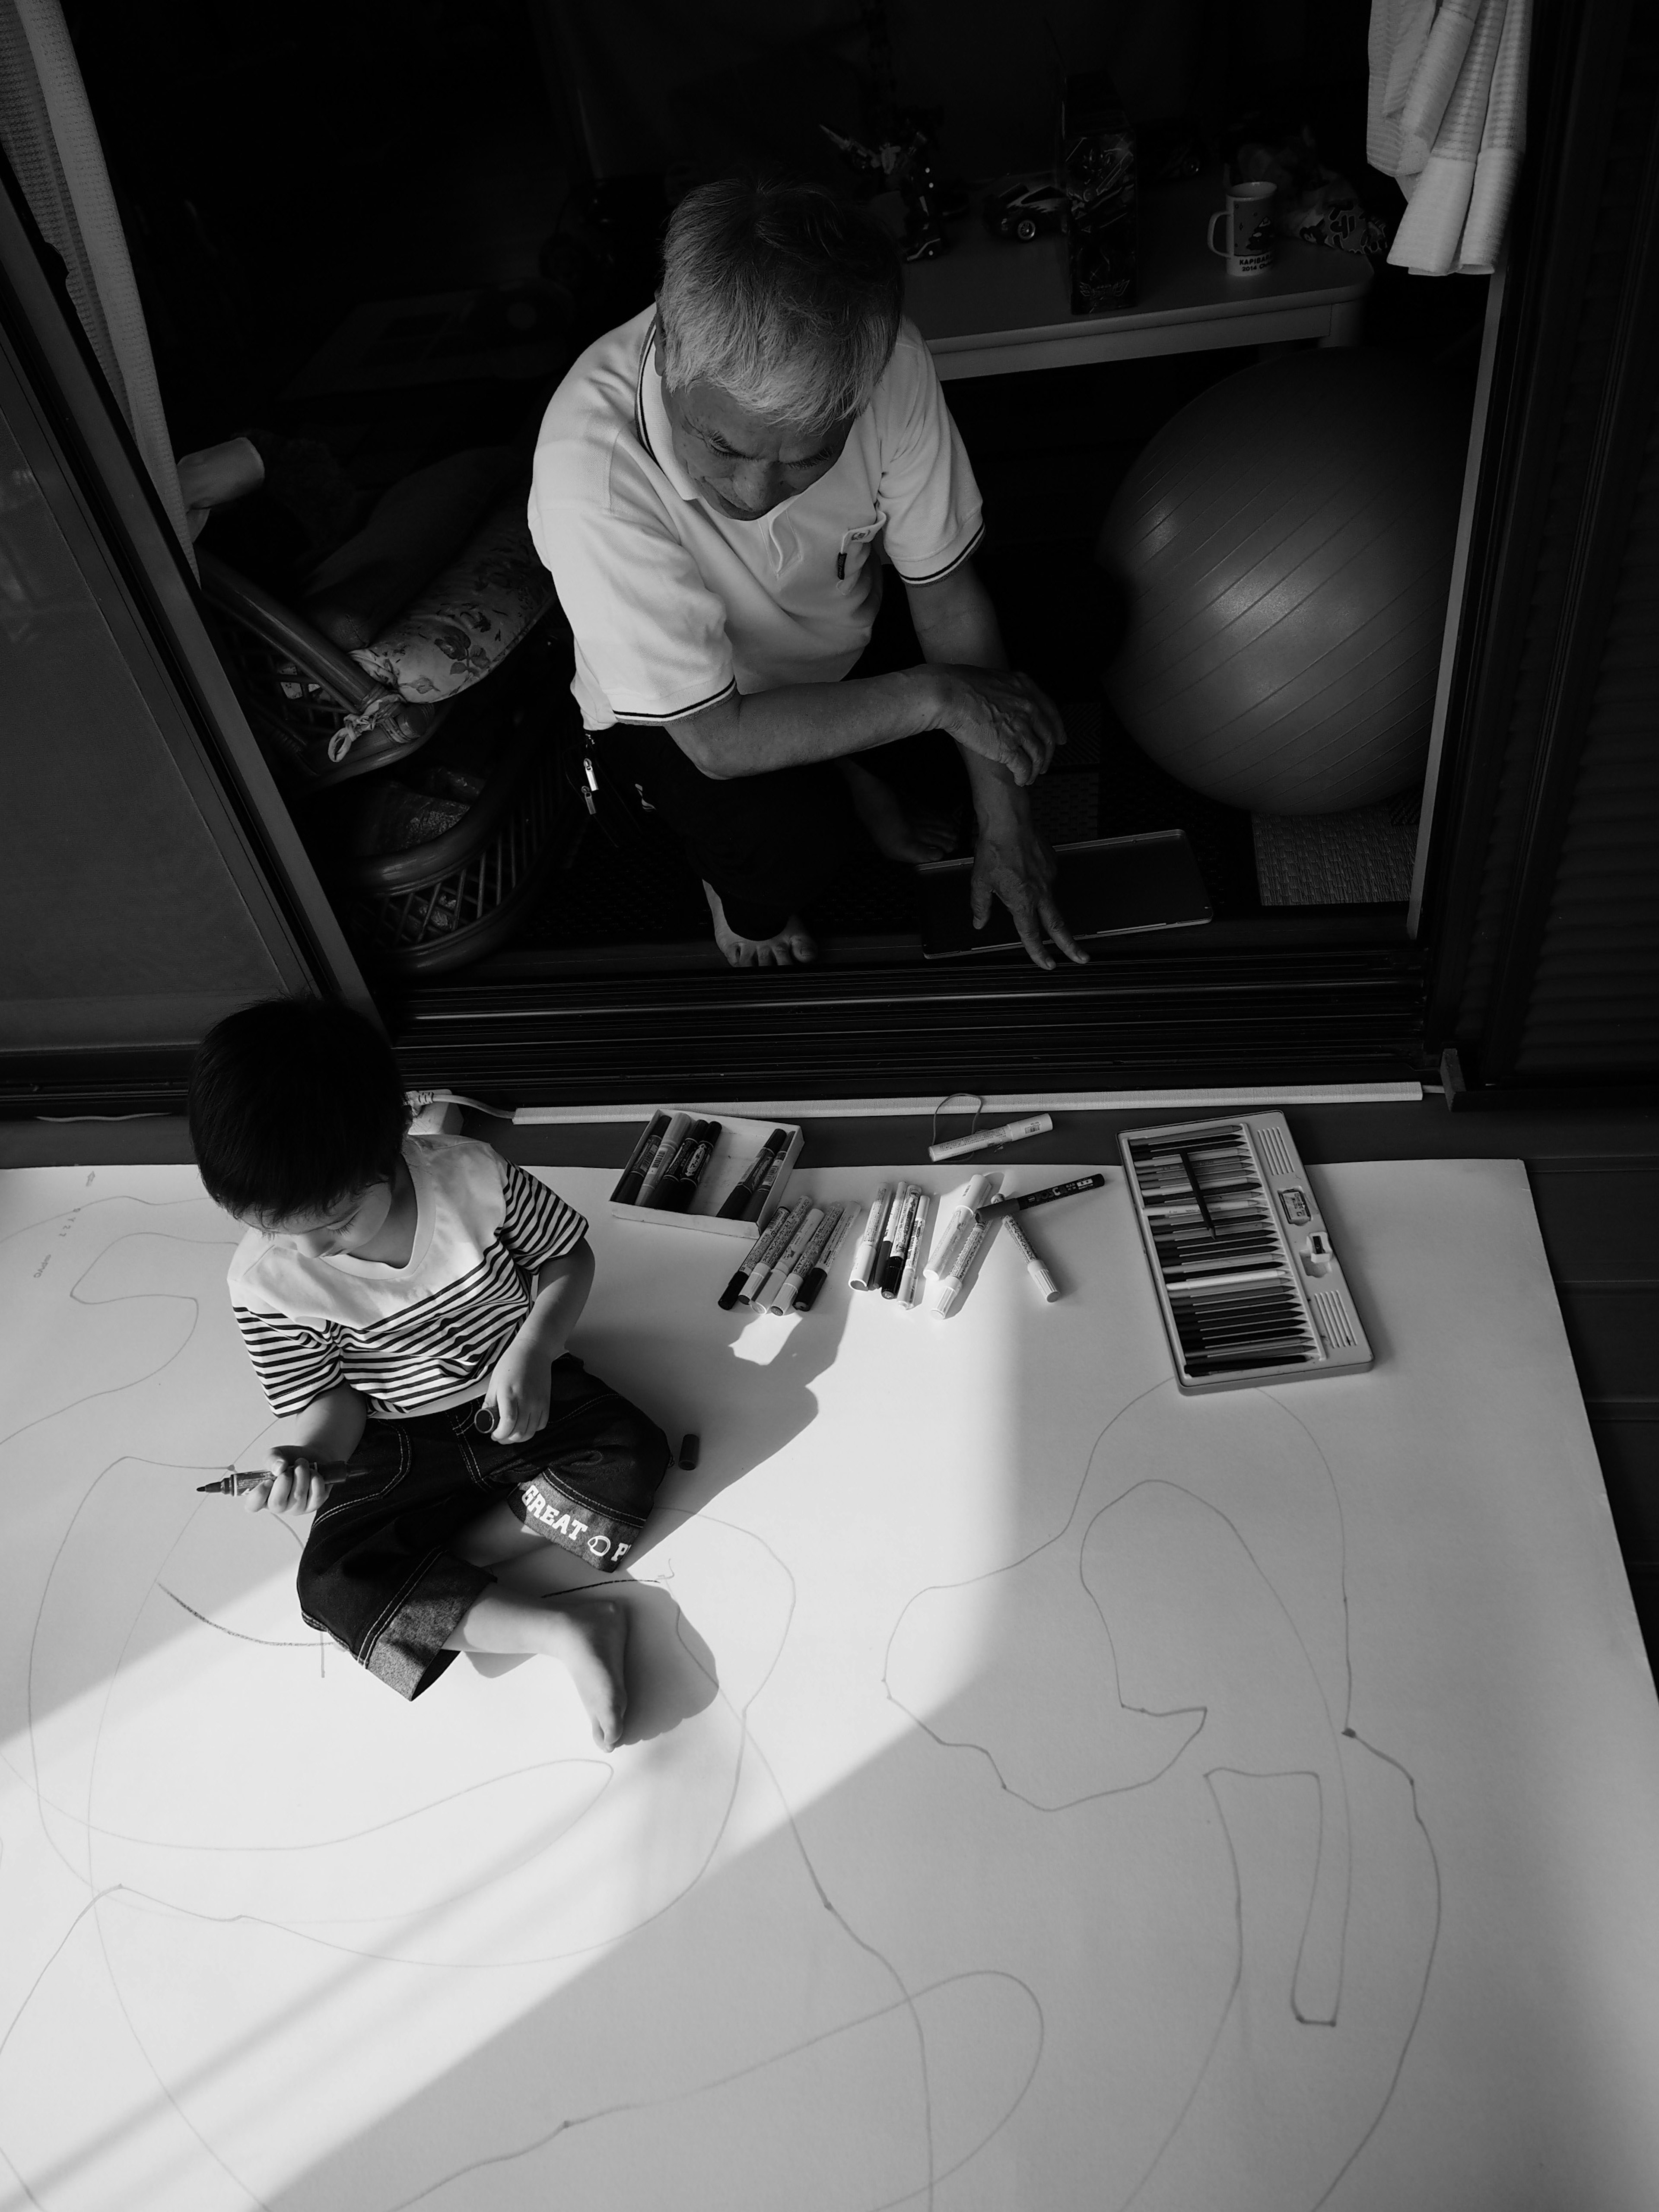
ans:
x=735 y=1149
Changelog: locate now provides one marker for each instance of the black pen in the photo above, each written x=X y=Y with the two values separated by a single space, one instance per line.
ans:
x=239 y=1480
x=733 y=1205
x=639 y=1160
x=1037 y=1197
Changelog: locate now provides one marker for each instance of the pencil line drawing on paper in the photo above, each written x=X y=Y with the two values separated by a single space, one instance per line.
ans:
x=605 y=1969
x=1206 y=1670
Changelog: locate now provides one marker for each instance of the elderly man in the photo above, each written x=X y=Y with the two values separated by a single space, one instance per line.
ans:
x=718 y=485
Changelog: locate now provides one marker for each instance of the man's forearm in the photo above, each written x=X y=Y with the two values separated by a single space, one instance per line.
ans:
x=803 y=723
x=997 y=796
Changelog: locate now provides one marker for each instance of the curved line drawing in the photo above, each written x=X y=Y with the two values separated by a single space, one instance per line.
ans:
x=1319 y=1990
x=1329 y=1899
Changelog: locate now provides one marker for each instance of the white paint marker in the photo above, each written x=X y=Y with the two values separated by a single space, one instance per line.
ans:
x=807 y=1259
x=982 y=1187
x=787 y=1258
x=910 y=1281
x=899 y=1251
x=772 y=1246
x=985 y=1140
x=949 y=1286
x=864 y=1258
x=1034 y=1266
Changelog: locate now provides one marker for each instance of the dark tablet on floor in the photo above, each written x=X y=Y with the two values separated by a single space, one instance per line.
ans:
x=1107 y=887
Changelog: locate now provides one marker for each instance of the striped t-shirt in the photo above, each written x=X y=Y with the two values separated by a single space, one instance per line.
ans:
x=415 y=1338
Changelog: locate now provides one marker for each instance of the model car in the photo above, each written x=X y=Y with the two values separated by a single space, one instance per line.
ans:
x=1022 y=210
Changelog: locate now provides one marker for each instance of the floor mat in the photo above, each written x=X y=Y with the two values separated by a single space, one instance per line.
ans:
x=1362 y=858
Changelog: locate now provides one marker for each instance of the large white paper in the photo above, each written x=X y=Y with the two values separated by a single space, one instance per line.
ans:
x=1044 y=1791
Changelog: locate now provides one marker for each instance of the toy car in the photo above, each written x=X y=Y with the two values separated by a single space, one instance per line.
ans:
x=1022 y=210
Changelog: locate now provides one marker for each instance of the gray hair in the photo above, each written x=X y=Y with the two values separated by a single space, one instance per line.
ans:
x=785 y=297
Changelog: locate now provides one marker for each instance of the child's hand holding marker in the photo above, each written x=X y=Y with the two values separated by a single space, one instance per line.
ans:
x=294 y=1479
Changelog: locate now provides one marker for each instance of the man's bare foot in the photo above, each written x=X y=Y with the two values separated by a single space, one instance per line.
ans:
x=794 y=941
x=590 y=1635
x=928 y=835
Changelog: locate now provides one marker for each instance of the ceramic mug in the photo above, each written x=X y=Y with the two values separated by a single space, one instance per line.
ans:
x=1249 y=215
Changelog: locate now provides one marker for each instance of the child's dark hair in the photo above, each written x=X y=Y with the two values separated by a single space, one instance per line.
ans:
x=295 y=1104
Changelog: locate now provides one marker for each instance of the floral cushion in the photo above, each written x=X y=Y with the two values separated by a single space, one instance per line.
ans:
x=470 y=617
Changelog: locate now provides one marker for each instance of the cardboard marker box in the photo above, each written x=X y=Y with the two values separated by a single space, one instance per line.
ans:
x=735 y=1149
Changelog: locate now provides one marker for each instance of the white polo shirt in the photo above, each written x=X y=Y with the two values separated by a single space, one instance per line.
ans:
x=675 y=607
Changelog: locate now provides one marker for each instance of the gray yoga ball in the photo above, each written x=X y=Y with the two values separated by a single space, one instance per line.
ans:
x=1284 y=545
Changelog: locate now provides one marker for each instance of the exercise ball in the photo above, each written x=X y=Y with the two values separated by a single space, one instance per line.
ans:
x=1284 y=548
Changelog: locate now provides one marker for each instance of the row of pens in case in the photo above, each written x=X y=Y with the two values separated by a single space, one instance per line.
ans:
x=788 y=1267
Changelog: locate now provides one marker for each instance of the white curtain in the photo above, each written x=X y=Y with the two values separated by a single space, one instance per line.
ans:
x=51 y=144
x=1447 y=118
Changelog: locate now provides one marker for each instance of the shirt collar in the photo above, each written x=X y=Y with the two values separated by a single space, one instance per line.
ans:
x=651 y=418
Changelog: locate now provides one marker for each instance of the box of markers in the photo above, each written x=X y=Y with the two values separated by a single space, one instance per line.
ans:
x=730 y=1158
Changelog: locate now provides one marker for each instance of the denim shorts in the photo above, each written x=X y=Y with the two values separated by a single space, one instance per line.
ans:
x=377 y=1571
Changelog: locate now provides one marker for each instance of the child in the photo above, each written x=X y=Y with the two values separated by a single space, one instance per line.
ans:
x=389 y=1287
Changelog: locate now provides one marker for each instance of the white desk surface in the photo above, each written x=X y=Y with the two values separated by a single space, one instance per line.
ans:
x=1043 y=1793
x=991 y=305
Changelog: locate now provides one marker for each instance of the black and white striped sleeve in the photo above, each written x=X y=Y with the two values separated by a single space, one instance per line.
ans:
x=538 y=1226
x=296 y=1361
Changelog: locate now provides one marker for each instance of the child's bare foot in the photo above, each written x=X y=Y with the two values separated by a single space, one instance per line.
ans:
x=928 y=835
x=794 y=941
x=592 y=1639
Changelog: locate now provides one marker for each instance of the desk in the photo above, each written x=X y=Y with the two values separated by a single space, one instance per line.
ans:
x=991 y=307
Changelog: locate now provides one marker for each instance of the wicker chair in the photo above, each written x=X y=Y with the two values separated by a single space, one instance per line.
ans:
x=323 y=721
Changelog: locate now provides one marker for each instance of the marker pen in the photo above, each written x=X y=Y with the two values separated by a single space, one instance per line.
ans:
x=239 y=1482
x=818 y=1276
x=760 y=1195
x=628 y=1190
x=679 y=1186
x=910 y=1280
x=811 y=1253
x=1032 y=1198
x=672 y=1137
x=888 y=1231
x=979 y=1189
x=758 y=1266
x=950 y=1287
x=1034 y=1266
x=864 y=1258
x=984 y=1140
x=759 y=1255
x=787 y=1258
x=753 y=1177
x=893 y=1273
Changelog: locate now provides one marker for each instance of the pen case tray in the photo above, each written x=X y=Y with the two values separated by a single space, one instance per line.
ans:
x=735 y=1149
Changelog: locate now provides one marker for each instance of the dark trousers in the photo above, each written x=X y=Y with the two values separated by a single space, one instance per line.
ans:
x=377 y=1571
x=769 y=845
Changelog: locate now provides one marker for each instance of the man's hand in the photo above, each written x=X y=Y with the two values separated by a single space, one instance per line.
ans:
x=519 y=1390
x=294 y=1483
x=1003 y=717
x=1012 y=862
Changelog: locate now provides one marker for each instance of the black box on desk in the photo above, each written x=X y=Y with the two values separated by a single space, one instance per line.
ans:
x=1097 y=168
